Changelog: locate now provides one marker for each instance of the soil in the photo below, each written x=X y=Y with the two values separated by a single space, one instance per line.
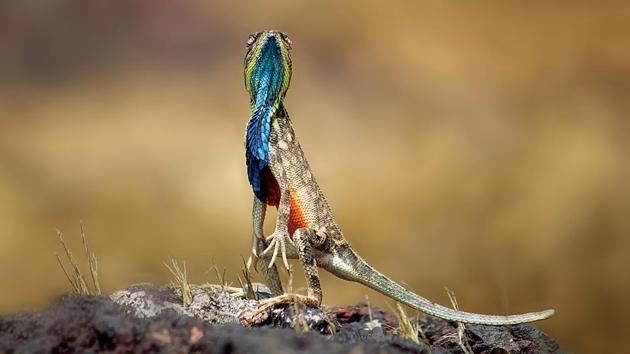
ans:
x=147 y=319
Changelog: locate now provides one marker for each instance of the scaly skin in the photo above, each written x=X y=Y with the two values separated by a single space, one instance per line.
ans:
x=305 y=227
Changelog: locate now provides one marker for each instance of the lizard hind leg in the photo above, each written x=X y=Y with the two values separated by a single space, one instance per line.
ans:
x=305 y=241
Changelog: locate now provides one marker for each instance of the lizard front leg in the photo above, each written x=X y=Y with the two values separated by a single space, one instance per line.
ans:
x=306 y=241
x=277 y=240
x=272 y=278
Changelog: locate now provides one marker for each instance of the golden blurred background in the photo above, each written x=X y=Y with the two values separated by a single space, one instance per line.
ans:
x=479 y=146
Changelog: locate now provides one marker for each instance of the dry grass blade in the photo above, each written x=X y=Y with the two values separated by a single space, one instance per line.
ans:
x=248 y=288
x=331 y=324
x=73 y=274
x=220 y=277
x=240 y=282
x=71 y=280
x=406 y=328
x=299 y=319
x=79 y=284
x=290 y=278
x=181 y=280
x=92 y=261
x=369 y=307
x=461 y=339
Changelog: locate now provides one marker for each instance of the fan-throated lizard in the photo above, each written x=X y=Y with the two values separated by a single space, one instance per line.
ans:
x=305 y=228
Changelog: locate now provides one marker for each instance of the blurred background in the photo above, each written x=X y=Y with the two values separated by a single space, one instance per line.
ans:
x=483 y=147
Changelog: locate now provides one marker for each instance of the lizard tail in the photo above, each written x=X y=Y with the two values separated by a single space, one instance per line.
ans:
x=352 y=267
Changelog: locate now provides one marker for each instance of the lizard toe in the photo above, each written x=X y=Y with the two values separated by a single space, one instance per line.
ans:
x=276 y=248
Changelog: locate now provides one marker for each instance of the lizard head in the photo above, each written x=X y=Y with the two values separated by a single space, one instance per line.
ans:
x=268 y=66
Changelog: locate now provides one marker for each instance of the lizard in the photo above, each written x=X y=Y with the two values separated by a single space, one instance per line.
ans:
x=281 y=177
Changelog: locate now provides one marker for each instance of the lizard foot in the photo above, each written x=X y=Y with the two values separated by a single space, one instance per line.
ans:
x=261 y=313
x=277 y=242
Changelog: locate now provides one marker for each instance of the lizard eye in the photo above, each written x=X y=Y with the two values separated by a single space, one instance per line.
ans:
x=252 y=38
x=286 y=39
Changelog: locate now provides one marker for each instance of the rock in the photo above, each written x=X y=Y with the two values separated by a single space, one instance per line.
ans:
x=210 y=304
x=146 y=318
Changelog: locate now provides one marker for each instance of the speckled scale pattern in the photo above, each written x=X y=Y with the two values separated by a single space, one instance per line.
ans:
x=286 y=151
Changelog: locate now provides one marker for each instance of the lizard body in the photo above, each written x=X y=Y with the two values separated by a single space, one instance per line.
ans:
x=306 y=229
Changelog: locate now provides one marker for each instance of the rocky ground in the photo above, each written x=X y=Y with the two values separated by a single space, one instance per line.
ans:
x=148 y=319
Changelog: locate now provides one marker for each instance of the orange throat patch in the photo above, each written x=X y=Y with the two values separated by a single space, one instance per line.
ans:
x=296 y=218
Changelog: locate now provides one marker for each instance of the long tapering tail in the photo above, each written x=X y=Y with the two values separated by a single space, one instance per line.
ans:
x=348 y=265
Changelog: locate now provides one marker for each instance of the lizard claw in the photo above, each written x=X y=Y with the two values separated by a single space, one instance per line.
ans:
x=277 y=242
x=256 y=240
x=250 y=260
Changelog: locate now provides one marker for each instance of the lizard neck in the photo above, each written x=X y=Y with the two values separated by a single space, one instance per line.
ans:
x=257 y=141
x=267 y=76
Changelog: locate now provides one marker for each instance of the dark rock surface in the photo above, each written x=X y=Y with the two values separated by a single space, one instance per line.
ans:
x=146 y=319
